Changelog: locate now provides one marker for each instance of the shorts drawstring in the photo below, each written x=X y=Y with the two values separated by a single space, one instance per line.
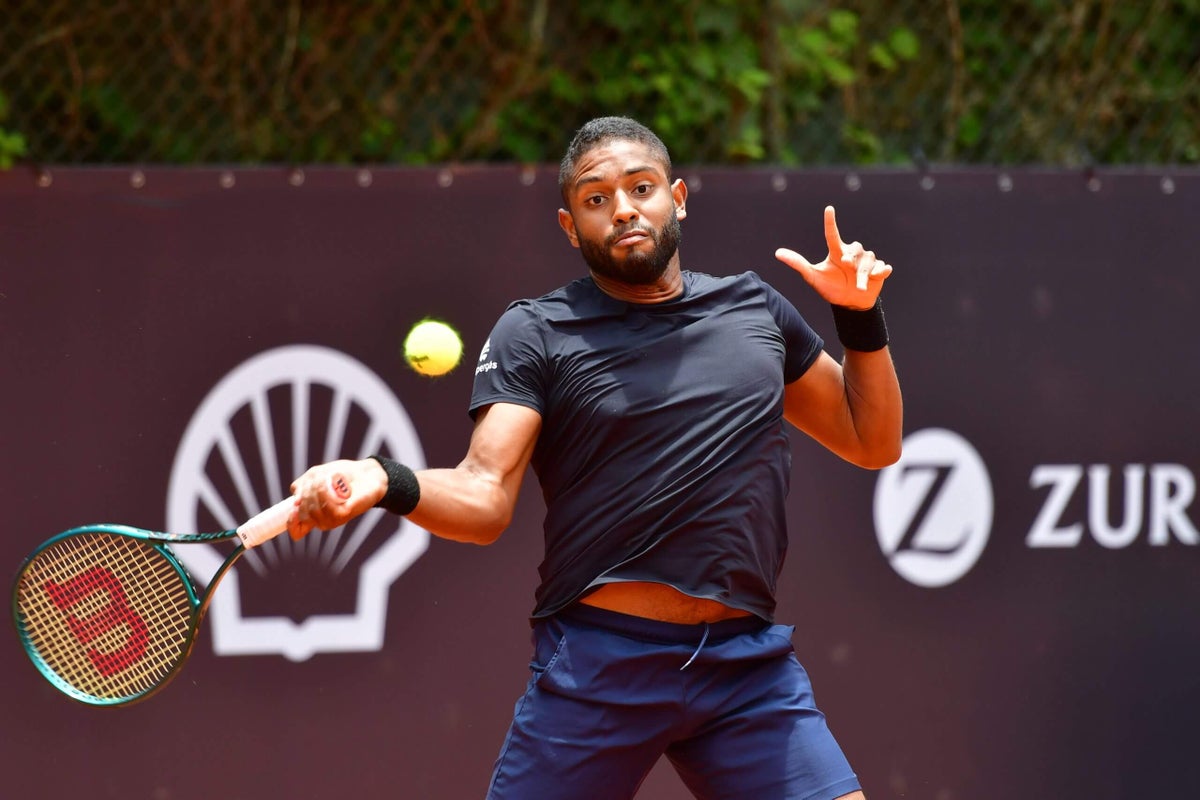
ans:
x=699 y=647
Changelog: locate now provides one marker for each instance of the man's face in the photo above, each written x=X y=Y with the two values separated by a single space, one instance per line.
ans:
x=624 y=213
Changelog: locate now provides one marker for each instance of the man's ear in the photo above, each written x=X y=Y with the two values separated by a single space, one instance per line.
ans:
x=567 y=223
x=679 y=193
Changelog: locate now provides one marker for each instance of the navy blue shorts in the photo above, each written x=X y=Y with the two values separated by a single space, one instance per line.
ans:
x=728 y=703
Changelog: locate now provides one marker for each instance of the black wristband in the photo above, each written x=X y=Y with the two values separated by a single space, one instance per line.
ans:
x=861 y=330
x=403 y=491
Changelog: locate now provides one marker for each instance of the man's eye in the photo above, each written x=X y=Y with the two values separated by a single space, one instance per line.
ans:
x=642 y=188
x=594 y=200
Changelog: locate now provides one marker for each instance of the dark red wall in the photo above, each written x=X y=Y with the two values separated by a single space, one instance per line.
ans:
x=1046 y=320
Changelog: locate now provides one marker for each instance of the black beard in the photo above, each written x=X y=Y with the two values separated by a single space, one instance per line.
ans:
x=639 y=269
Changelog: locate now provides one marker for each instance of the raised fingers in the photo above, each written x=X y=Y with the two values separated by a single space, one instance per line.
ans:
x=878 y=270
x=833 y=239
x=864 y=263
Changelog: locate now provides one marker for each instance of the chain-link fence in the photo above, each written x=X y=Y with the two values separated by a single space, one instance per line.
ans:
x=1061 y=82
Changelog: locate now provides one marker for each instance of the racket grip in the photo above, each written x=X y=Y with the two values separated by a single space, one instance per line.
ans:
x=266 y=525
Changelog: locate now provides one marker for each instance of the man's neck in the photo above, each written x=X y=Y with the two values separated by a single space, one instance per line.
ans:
x=667 y=287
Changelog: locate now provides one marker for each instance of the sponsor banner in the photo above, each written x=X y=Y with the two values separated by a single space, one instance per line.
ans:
x=1008 y=611
x=261 y=418
x=933 y=508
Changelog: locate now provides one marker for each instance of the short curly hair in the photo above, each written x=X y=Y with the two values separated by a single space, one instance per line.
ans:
x=600 y=131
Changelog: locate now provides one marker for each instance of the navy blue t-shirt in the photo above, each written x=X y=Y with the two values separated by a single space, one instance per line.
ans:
x=662 y=455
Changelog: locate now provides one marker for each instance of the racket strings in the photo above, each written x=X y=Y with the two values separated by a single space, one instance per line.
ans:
x=109 y=615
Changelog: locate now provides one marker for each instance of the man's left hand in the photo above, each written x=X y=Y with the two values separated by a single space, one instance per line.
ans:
x=850 y=275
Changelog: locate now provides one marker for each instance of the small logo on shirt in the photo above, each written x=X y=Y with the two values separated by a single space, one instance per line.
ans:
x=484 y=364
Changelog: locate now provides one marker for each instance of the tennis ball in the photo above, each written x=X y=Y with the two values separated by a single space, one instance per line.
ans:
x=432 y=347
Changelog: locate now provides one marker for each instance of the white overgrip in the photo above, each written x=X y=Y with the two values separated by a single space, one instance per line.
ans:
x=266 y=525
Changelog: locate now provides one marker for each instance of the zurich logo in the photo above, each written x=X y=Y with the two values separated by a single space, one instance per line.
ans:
x=933 y=508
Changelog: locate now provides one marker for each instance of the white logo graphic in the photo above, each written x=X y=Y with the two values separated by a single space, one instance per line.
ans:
x=484 y=364
x=1159 y=509
x=933 y=508
x=261 y=426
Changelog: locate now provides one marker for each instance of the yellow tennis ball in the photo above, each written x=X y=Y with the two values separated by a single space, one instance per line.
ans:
x=432 y=347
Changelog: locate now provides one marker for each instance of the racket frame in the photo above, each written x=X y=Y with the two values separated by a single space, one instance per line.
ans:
x=160 y=541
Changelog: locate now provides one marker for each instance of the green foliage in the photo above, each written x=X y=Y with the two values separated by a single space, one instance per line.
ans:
x=722 y=81
x=12 y=144
x=12 y=147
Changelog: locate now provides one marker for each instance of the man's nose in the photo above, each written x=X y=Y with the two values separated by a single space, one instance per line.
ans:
x=624 y=210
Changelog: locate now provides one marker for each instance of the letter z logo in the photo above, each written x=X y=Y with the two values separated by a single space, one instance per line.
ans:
x=933 y=508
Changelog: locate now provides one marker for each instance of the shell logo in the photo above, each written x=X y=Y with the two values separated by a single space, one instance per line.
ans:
x=263 y=424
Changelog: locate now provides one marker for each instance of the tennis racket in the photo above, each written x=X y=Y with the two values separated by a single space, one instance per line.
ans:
x=107 y=613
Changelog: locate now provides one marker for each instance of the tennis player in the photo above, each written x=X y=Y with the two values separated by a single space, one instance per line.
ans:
x=651 y=403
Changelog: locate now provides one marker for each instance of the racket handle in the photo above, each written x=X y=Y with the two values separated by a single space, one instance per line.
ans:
x=266 y=525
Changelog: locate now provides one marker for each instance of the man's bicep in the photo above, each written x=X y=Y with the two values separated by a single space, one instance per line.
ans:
x=502 y=443
x=474 y=502
x=816 y=403
x=854 y=410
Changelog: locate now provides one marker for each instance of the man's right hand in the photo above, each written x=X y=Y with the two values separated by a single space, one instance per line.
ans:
x=319 y=504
